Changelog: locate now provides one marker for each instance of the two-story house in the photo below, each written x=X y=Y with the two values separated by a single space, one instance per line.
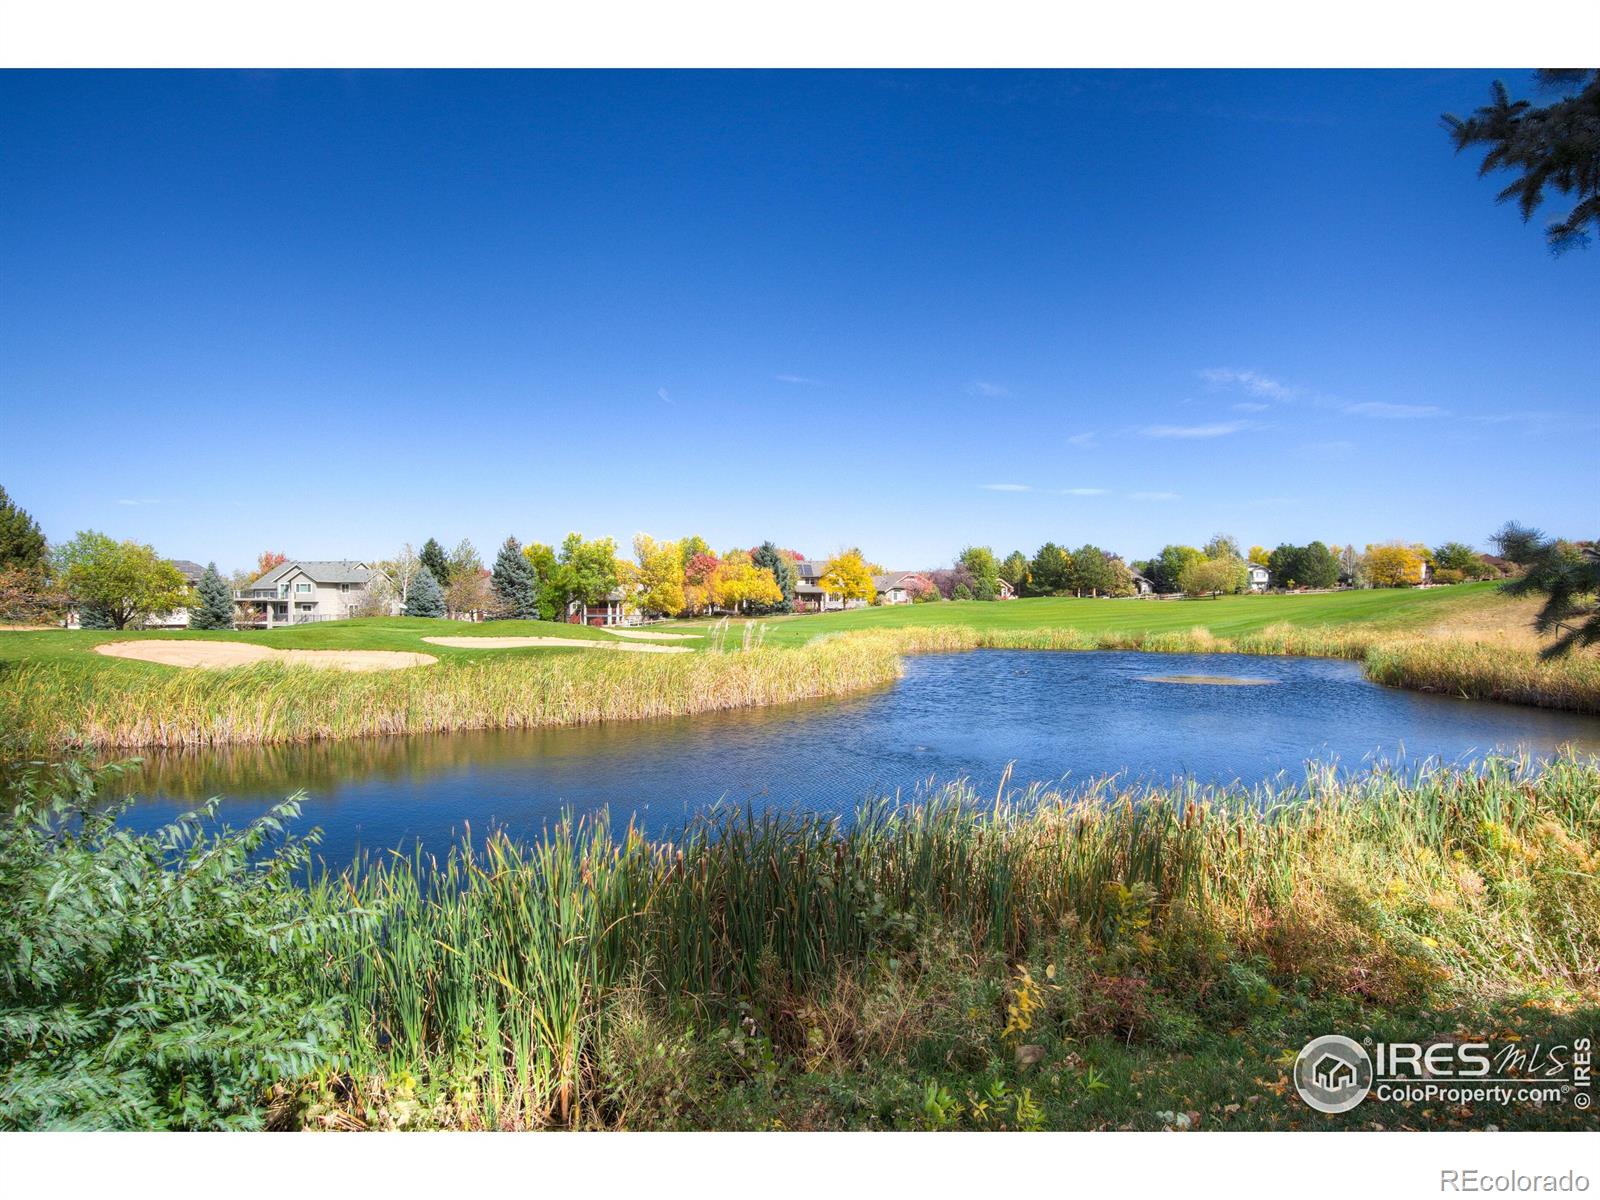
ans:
x=298 y=593
x=1259 y=578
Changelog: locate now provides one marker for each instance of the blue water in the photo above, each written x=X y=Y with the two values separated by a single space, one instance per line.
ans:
x=1049 y=715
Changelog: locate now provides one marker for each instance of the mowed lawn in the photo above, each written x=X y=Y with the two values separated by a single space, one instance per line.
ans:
x=1397 y=609
x=1390 y=610
x=366 y=633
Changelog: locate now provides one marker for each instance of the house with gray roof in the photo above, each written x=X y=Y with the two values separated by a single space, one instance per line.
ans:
x=901 y=587
x=299 y=593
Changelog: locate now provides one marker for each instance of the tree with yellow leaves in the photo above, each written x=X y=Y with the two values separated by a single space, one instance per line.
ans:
x=738 y=585
x=1393 y=564
x=848 y=576
x=659 y=576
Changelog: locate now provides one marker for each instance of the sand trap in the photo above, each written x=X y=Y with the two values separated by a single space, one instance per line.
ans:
x=244 y=654
x=507 y=643
x=651 y=635
x=1214 y=680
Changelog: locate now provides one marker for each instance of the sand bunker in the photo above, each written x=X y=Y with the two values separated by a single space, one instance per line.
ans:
x=507 y=643
x=244 y=654
x=651 y=635
x=1215 y=680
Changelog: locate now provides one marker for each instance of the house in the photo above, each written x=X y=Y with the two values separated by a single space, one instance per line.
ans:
x=298 y=593
x=1142 y=585
x=809 y=595
x=614 y=610
x=901 y=587
x=1259 y=577
x=1004 y=591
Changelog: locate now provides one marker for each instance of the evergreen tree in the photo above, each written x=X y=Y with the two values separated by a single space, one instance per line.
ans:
x=1566 y=574
x=1051 y=571
x=433 y=557
x=426 y=598
x=782 y=567
x=215 y=609
x=514 y=583
x=1554 y=146
x=21 y=541
x=95 y=616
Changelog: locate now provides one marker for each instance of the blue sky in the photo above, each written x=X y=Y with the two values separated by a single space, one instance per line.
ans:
x=327 y=313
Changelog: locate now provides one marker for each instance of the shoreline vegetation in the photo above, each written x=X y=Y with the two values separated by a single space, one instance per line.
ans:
x=1106 y=957
x=67 y=699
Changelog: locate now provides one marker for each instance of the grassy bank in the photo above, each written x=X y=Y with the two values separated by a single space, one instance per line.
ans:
x=58 y=693
x=1099 y=959
x=66 y=703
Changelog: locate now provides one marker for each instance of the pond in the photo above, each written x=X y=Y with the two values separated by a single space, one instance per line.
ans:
x=1149 y=717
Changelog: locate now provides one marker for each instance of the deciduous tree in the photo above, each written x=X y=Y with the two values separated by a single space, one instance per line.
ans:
x=848 y=577
x=985 y=570
x=1091 y=573
x=126 y=581
x=1209 y=577
x=1393 y=564
x=1166 y=568
x=660 y=576
x=586 y=572
x=267 y=560
x=1014 y=570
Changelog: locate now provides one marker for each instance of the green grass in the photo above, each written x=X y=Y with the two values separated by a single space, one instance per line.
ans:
x=1390 y=610
x=58 y=693
x=1161 y=950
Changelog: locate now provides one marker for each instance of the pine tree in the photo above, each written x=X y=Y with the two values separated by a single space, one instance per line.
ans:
x=426 y=598
x=433 y=557
x=782 y=567
x=514 y=583
x=21 y=542
x=215 y=610
x=94 y=616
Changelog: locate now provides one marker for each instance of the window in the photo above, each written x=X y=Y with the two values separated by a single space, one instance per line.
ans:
x=302 y=588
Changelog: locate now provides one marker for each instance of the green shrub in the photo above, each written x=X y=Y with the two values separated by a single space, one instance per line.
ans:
x=151 y=981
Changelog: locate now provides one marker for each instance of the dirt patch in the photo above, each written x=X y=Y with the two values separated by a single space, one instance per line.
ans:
x=244 y=654
x=508 y=643
x=651 y=635
x=1212 y=680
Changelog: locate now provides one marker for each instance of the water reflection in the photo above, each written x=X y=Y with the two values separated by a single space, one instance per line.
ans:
x=1049 y=714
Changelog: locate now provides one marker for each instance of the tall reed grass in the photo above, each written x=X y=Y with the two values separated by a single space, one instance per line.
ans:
x=486 y=983
x=64 y=703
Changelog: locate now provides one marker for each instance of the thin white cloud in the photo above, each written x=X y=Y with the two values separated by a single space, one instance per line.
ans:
x=1253 y=382
x=801 y=379
x=139 y=503
x=1006 y=487
x=1083 y=440
x=1393 y=412
x=1249 y=406
x=982 y=387
x=1335 y=449
x=662 y=392
x=1083 y=491
x=1214 y=430
x=1154 y=496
